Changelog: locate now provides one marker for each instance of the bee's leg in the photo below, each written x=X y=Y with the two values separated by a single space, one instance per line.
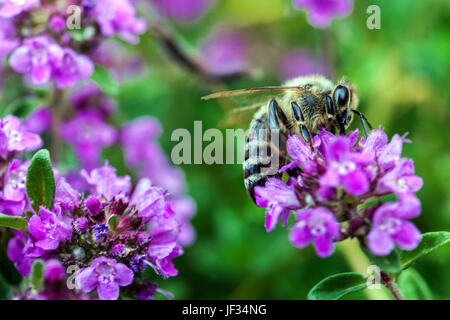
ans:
x=364 y=120
x=298 y=114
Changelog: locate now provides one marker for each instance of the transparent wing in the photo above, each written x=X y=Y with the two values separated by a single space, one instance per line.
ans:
x=253 y=96
x=240 y=115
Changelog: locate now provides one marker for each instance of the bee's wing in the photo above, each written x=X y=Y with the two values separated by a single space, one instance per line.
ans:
x=240 y=115
x=250 y=96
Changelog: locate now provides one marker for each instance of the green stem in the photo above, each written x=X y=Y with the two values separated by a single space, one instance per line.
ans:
x=359 y=262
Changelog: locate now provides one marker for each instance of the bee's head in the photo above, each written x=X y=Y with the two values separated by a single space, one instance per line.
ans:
x=344 y=99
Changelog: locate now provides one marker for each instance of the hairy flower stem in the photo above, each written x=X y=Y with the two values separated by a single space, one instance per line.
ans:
x=57 y=113
x=389 y=283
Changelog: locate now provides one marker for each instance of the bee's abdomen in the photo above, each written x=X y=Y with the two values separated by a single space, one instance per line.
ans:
x=262 y=158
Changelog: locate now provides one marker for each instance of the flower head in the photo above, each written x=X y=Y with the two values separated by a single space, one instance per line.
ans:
x=329 y=182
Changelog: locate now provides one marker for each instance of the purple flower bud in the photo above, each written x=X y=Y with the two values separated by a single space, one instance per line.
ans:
x=53 y=270
x=137 y=263
x=57 y=23
x=118 y=250
x=93 y=205
x=81 y=224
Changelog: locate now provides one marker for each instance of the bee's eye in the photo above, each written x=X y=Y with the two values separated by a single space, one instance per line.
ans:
x=341 y=96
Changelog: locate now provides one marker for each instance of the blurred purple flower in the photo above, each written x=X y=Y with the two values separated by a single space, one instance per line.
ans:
x=15 y=251
x=224 y=52
x=183 y=10
x=14 y=137
x=37 y=57
x=89 y=96
x=57 y=23
x=390 y=226
x=321 y=12
x=317 y=225
x=39 y=120
x=119 y=16
x=300 y=63
x=71 y=68
x=184 y=208
x=106 y=275
x=53 y=270
x=11 y=8
x=13 y=197
x=88 y=133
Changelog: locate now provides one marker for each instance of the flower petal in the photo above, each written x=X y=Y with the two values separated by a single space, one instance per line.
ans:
x=108 y=291
x=380 y=242
x=124 y=275
x=408 y=237
x=88 y=279
x=323 y=245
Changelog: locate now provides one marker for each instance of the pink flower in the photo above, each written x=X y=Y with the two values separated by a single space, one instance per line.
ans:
x=317 y=225
x=11 y=8
x=321 y=12
x=106 y=275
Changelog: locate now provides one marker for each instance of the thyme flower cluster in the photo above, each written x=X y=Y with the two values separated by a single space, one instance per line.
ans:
x=335 y=192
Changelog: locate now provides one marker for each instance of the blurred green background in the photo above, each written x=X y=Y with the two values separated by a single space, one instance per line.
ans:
x=401 y=72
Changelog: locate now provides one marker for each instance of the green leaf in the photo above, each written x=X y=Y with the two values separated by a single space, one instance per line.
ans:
x=430 y=242
x=12 y=222
x=40 y=181
x=103 y=78
x=390 y=263
x=113 y=222
x=413 y=286
x=337 y=286
x=37 y=274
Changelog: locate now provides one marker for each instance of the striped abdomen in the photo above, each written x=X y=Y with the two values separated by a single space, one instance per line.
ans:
x=264 y=149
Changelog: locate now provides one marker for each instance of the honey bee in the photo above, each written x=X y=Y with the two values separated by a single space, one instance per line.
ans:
x=301 y=106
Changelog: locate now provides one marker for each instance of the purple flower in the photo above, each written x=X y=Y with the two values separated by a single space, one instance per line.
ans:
x=90 y=96
x=279 y=198
x=54 y=270
x=301 y=154
x=13 y=197
x=149 y=200
x=38 y=57
x=320 y=12
x=81 y=224
x=39 y=120
x=70 y=68
x=66 y=196
x=49 y=229
x=147 y=291
x=344 y=167
x=119 y=16
x=88 y=133
x=184 y=208
x=13 y=137
x=106 y=275
x=224 y=52
x=16 y=250
x=93 y=205
x=8 y=40
x=183 y=10
x=11 y=8
x=57 y=23
x=400 y=179
x=390 y=226
x=107 y=183
x=100 y=231
x=317 y=225
x=300 y=63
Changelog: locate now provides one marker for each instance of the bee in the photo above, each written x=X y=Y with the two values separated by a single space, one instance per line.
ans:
x=301 y=106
